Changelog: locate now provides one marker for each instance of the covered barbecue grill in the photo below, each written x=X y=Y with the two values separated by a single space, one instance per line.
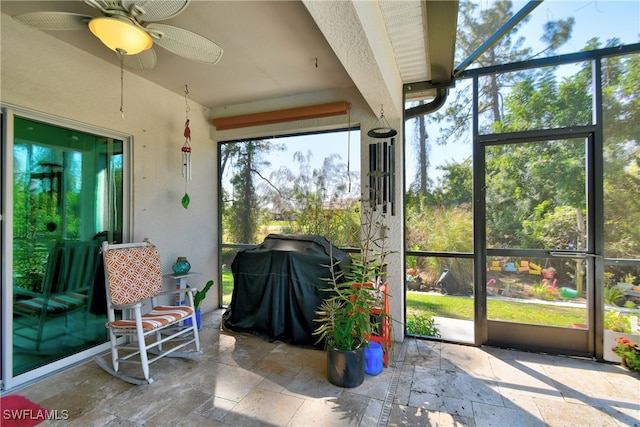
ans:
x=279 y=284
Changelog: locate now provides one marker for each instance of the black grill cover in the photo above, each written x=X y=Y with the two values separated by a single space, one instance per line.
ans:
x=278 y=286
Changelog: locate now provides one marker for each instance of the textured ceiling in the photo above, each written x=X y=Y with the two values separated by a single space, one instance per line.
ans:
x=276 y=49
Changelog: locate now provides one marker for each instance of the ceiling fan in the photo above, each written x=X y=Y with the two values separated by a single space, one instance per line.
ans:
x=129 y=28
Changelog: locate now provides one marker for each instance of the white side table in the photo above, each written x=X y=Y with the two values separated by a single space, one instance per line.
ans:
x=181 y=281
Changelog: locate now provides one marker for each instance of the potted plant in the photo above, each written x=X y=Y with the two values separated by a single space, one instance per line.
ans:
x=617 y=325
x=198 y=297
x=629 y=353
x=351 y=313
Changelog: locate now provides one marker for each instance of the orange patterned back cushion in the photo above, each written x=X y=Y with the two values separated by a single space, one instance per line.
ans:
x=134 y=274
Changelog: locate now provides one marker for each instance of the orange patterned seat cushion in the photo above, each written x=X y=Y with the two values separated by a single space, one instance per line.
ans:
x=134 y=274
x=57 y=303
x=160 y=316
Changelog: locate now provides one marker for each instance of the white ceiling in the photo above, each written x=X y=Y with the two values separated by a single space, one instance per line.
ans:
x=276 y=49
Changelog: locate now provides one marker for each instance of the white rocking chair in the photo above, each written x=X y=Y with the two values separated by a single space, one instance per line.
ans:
x=133 y=275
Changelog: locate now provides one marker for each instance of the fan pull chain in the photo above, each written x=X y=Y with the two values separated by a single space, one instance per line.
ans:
x=121 y=55
x=186 y=100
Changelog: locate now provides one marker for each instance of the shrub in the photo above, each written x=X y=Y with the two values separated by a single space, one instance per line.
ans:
x=423 y=325
x=617 y=321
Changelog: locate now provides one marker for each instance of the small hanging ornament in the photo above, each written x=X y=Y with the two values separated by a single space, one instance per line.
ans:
x=186 y=154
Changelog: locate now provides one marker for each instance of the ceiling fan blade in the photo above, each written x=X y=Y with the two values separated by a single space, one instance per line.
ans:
x=154 y=10
x=54 y=20
x=185 y=43
x=145 y=60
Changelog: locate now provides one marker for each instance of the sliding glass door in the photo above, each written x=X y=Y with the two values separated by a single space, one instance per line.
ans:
x=67 y=197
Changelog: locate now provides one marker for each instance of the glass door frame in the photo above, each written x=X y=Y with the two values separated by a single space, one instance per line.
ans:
x=573 y=341
x=9 y=112
x=578 y=342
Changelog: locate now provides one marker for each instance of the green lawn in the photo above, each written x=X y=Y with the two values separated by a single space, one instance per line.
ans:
x=227 y=286
x=462 y=308
x=428 y=305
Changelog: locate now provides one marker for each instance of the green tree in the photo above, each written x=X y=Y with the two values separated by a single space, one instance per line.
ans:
x=453 y=122
x=241 y=212
x=527 y=172
x=621 y=92
x=318 y=200
x=456 y=185
x=479 y=24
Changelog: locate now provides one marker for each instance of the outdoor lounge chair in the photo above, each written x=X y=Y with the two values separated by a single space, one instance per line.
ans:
x=133 y=275
x=60 y=311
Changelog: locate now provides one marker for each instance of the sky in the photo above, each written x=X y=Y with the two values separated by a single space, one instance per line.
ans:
x=602 y=18
x=322 y=145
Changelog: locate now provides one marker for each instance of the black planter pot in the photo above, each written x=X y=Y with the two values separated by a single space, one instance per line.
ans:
x=345 y=368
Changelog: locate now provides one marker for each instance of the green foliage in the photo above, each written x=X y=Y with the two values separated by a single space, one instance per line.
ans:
x=629 y=352
x=201 y=294
x=30 y=263
x=317 y=200
x=612 y=294
x=609 y=278
x=544 y=292
x=412 y=261
x=617 y=322
x=45 y=211
x=440 y=229
x=312 y=200
x=243 y=161
x=345 y=319
x=480 y=23
x=524 y=206
x=436 y=228
x=422 y=325
x=349 y=314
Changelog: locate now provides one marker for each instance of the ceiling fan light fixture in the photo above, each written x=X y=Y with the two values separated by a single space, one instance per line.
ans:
x=120 y=35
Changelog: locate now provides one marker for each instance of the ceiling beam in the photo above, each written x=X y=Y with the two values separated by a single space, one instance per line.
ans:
x=441 y=26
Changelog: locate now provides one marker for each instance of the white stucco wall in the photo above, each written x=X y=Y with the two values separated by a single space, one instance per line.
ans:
x=43 y=74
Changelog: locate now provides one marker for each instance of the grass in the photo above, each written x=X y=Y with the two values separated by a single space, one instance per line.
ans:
x=462 y=308
x=227 y=286
x=453 y=307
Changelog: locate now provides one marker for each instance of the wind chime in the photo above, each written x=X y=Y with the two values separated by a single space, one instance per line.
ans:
x=382 y=174
x=186 y=152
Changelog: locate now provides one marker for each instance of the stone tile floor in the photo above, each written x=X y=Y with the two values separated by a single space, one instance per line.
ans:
x=242 y=380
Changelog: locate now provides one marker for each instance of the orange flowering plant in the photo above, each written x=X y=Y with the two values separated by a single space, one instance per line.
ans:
x=628 y=351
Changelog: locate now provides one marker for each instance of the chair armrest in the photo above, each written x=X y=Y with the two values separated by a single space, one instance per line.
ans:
x=126 y=306
x=17 y=290
x=179 y=291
